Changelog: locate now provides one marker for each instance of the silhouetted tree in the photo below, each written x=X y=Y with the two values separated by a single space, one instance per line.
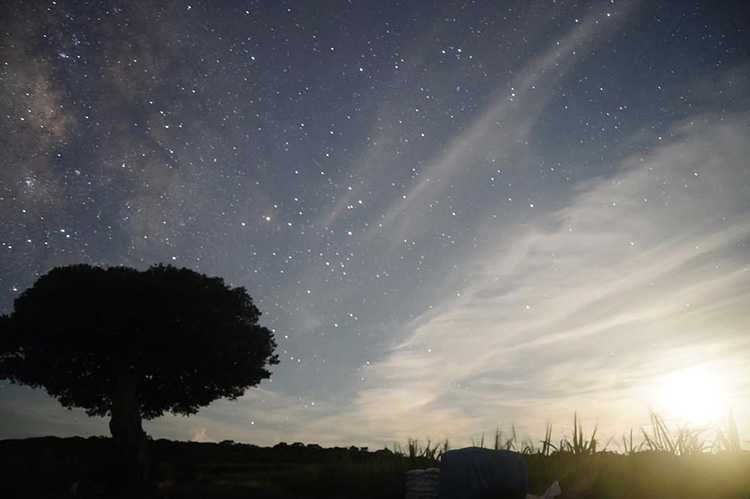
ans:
x=134 y=344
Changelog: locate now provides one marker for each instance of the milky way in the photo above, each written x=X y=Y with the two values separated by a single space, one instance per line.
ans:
x=453 y=217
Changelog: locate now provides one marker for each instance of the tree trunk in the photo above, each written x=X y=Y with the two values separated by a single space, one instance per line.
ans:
x=128 y=435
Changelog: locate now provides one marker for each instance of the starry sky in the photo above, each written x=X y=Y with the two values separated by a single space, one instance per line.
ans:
x=456 y=216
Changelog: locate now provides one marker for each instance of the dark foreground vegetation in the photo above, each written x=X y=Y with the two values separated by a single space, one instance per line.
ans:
x=78 y=467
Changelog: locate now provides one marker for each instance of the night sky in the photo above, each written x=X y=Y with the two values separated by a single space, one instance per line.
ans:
x=454 y=215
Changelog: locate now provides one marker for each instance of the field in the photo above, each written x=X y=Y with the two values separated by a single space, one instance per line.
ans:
x=649 y=463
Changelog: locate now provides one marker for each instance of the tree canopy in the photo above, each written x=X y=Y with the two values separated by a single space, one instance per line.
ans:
x=181 y=339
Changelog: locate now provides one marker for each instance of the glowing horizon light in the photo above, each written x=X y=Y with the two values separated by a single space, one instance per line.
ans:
x=696 y=395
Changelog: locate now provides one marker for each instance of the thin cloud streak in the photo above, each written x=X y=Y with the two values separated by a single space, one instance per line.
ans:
x=497 y=133
x=581 y=316
x=505 y=126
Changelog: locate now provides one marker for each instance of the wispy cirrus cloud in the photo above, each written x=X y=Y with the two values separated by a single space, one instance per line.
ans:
x=495 y=133
x=504 y=128
x=641 y=273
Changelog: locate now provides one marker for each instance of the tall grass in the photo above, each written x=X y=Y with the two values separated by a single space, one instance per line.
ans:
x=681 y=441
x=651 y=462
x=415 y=450
x=729 y=440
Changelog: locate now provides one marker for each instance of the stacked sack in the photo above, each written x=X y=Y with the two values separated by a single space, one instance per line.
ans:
x=422 y=484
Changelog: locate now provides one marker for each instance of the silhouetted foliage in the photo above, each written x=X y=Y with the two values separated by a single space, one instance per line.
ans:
x=134 y=344
x=188 y=339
